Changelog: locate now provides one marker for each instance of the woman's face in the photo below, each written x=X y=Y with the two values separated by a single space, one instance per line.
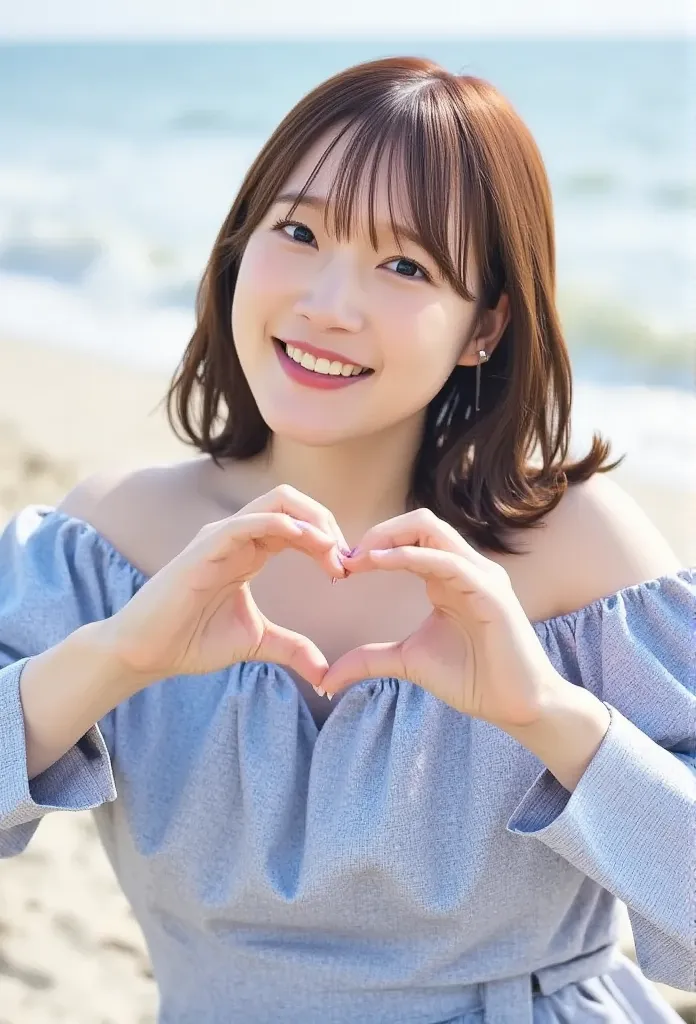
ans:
x=388 y=311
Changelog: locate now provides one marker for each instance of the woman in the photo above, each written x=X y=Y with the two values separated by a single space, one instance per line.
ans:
x=379 y=394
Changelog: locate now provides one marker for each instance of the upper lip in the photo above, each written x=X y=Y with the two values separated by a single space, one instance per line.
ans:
x=322 y=353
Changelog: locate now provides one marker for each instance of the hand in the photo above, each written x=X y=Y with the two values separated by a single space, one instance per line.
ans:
x=477 y=651
x=197 y=614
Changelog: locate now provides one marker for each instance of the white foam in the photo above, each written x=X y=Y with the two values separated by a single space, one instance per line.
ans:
x=656 y=427
x=48 y=313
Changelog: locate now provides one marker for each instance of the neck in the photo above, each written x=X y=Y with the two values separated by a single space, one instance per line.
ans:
x=362 y=481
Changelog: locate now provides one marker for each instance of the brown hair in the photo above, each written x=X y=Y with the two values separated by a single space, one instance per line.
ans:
x=476 y=473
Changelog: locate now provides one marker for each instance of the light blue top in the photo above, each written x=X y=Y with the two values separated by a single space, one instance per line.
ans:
x=405 y=863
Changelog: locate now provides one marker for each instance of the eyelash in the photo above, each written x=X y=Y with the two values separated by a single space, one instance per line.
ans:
x=298 y=224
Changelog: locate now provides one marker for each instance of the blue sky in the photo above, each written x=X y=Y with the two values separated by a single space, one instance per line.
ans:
x=61 y=19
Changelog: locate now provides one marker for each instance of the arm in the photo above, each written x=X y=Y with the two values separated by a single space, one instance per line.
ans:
x=605 y=543
x=65 y=690
x=58 y=681
x=620 y=803
x=73 y=684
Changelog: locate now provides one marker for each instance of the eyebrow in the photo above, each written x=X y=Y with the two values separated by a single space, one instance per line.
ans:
x=319 y=203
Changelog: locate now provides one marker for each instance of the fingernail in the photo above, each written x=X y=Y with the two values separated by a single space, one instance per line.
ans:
x=329 y=696
x=318 y=689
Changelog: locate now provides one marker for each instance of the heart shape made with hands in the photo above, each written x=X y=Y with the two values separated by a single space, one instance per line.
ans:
x=477 y=651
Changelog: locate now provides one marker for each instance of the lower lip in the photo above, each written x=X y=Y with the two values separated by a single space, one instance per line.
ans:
x=310 y=379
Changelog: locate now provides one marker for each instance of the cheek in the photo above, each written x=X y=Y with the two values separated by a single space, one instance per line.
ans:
x=422 y=343
x=258 y=271
x=258 y=289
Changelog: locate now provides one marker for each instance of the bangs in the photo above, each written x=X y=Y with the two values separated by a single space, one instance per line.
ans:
x=427 y=184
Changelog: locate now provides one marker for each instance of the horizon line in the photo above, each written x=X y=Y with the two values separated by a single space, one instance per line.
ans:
x=443 y=34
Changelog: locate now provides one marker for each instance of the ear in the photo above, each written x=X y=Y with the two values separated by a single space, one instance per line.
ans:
x=491 y=328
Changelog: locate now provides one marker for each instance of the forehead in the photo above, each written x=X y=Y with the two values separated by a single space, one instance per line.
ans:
x=325 y=180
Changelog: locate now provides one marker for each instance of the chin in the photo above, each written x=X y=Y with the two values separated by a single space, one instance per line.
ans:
x=298 y=425
x=313 y=436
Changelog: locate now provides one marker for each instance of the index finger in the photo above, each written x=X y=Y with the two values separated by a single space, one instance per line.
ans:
x=288 y=499
x=418 y=528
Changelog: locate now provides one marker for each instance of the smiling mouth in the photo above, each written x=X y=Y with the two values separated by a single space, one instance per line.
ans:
x=321 y=366
x=343 y=375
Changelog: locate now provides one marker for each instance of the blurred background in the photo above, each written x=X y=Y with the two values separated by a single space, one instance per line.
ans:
x=124 y=134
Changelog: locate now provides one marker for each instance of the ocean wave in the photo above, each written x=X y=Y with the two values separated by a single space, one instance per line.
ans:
x=589 y=183
x=65 y=260
x=622 y=346
x=666 y=195
x=120 y=264
x=181 y=296
x=674 y=195
x=654 y=427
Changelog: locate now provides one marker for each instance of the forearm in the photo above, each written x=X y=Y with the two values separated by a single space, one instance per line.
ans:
x=65 y=690
x=568 y=733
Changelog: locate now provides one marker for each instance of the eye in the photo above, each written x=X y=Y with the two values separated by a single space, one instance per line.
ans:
x=281 y=224
x=297 y=225
x=417 y=266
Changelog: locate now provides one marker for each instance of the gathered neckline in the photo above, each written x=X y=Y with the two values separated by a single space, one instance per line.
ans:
x=686 y=574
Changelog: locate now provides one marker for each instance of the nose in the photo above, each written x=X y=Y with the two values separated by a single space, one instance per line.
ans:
x=331 y=299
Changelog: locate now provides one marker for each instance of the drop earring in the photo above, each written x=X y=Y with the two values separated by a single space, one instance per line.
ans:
x=483 y=358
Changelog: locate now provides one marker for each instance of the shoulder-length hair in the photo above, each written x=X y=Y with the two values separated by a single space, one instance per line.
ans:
x=487 y=473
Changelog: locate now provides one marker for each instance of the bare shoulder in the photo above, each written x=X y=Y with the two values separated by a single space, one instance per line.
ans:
x=148 y=514
x=112 y=496
x=598 y=540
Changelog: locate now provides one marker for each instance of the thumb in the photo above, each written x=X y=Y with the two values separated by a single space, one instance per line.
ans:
x=295 y=651
x=364 y=662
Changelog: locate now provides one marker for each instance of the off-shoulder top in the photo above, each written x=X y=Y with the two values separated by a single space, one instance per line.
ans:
x=404 y=862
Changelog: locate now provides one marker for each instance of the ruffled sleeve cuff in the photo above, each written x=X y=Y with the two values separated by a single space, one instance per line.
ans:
x=81 y=779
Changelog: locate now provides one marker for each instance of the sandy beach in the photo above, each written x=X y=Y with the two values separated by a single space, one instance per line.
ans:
x=70 y=950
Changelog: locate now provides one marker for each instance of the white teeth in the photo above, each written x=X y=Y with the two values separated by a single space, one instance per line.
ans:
x=333 y=368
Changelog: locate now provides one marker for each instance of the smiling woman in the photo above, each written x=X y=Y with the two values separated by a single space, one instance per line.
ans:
x=508 y=745
x=425 y=214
